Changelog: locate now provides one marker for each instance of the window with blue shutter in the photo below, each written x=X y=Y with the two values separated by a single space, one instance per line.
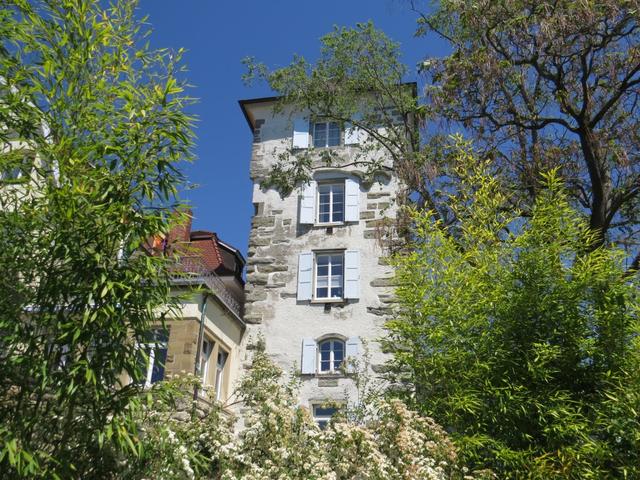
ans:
x=328 y=275
x=308 y=363
x=300 y=132
x=305 y=276
x=352 y=274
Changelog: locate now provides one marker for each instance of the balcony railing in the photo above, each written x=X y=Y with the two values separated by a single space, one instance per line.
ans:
x=190 y=269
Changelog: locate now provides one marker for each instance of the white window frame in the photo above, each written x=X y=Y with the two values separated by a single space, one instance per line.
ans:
x=325 y=143
x=323 y=419
x=332 y=204
x=152 y=347
x=332 y=369
x=205 y=359
x=220 y=371
x=329 y=275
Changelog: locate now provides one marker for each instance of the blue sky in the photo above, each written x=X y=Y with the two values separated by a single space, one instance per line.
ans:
x=217 y=35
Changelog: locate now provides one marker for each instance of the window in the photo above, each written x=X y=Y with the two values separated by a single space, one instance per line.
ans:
x=326 y=134
x=17 y=168
x=220 y=364
x=329 y=276
x=331 y=203
x=330 y=355
x=322 y=415
x=205 y=356
x=152 y=357
x=335 y=200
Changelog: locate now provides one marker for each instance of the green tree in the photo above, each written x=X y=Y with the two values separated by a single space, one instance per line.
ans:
x=524 y=342
x=536 y=85
x=357 y=82
x=547 y=84
x=92 y=126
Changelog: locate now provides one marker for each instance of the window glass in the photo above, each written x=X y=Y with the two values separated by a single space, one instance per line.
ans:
x=329 y=276
x=333 y=135
x=220 y=364
x=322 y=415
x=331 y=355
x=326 y=134
x=330 y=202
x=207 y=348
x=320 y=135
x=157 y=368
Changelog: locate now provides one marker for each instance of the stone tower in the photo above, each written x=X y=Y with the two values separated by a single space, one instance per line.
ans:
x=317 y=281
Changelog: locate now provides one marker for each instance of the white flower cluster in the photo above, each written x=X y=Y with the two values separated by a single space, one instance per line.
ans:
x=281 y=441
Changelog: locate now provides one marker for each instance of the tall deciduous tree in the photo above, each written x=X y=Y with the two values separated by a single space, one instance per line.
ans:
x=357 y=82
x=541 y=84
x=521 y=344
x=535 y=84
x=92 y=126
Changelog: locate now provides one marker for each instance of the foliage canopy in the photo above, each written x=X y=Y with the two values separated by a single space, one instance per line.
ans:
x=548 y=84
x=92 y=127
x=524 y=342
x=537 y=85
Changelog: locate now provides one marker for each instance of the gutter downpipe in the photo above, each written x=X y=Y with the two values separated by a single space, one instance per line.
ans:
x=203 y=311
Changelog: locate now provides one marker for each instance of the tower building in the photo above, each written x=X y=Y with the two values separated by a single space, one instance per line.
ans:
x=317 y=286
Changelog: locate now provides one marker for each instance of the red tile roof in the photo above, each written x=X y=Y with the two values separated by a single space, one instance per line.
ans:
x=206 y=246
x=200 y=248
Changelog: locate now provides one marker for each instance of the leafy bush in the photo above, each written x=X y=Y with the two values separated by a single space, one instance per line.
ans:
x=519 y=336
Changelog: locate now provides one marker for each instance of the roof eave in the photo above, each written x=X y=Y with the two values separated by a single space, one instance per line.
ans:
x=250 y=101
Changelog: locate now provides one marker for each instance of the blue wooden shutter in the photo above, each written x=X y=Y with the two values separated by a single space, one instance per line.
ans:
x=352 y=352
x=300 y=132
x=308 y=203
x=351 y=200
x=309 y=354
x=351 y=274
x=305 y=276
x=352 y=134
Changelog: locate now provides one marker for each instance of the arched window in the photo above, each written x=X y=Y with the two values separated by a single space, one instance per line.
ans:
x=331 y=355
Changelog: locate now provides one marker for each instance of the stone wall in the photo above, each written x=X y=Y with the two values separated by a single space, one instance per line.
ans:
x=183 y=341
x=275 y=241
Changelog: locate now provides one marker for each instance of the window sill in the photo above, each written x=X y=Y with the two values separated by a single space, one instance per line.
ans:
x=325 y=376
x=330 y=375
x=330 y=224
x=320 y=301
x=331 y=147
x=318 y=149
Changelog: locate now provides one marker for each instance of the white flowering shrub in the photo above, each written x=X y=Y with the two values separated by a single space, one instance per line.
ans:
x=176 y=438
x=280 y=441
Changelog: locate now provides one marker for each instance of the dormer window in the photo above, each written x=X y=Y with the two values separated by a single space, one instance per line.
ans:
x=326 y=134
